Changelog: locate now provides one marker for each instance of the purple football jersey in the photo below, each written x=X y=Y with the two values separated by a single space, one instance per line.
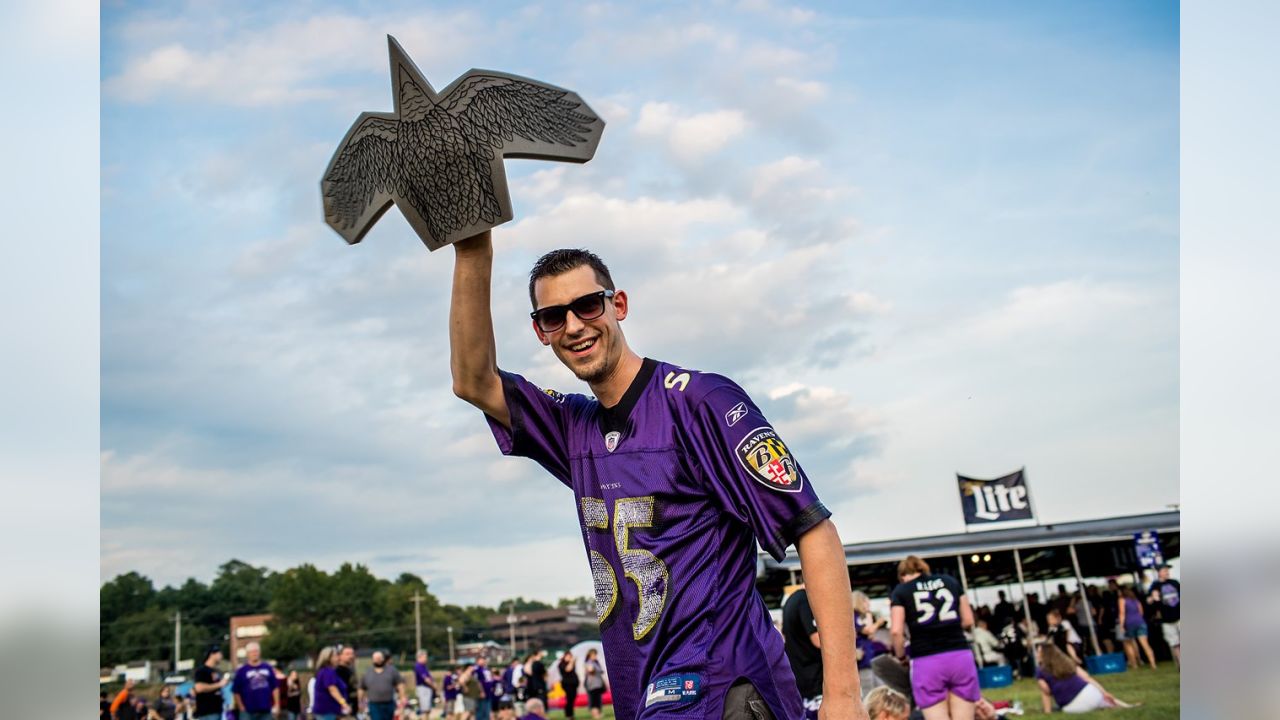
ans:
x=674 y=485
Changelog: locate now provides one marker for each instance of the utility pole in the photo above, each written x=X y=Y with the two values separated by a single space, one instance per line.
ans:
x=511 y=623
x=177 y=639
x=417 y=621
x=452 y=658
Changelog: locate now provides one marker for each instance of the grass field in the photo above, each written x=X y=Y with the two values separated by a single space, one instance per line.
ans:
x=1158 y=690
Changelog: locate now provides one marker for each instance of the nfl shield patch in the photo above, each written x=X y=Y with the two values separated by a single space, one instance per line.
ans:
x=765 y=457
x=611 y=440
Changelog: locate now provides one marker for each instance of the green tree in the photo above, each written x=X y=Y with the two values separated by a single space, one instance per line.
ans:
x=523 y=605
x=285 y=643
x=124 y=595
x=147 y=634
x=239 y=589
x=302 y=604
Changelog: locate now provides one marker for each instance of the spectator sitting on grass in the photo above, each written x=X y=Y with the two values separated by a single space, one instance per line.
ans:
x=1063 y=682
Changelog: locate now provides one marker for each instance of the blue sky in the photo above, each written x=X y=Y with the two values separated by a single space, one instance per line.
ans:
x=928 y=238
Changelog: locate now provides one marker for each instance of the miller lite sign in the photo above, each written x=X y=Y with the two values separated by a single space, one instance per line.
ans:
x=1002 y=502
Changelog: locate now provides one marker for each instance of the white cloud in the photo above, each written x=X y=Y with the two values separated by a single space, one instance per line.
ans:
x=1073 y=380
x=288 y=63
x=776 y=12
x=800 y=91
x=690 y=138
x=275 y=255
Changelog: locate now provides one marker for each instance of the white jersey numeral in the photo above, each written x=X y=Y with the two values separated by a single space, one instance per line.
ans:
x=673 y=380
x=642 y=567
x=925 y=606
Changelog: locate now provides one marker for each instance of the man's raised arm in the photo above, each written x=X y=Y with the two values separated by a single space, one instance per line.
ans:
x=473 y=355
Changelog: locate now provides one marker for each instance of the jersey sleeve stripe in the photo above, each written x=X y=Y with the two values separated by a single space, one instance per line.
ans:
x=797 y=526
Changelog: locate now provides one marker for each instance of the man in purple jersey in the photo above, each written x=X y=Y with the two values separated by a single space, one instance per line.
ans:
x=255 y=686
x=676 y=475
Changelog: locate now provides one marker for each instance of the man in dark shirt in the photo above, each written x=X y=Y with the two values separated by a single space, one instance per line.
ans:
x=1166 y=595
x=347 y=672
x=209 y=681
x=804 y=648
x=536 y=678
x=1002 y=614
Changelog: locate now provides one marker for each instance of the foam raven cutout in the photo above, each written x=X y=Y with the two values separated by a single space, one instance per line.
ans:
x=439 y=155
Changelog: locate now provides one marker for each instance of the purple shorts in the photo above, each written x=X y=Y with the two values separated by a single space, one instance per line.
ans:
x=933 y=676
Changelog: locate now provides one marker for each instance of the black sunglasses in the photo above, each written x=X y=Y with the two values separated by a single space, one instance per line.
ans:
x=587 y=307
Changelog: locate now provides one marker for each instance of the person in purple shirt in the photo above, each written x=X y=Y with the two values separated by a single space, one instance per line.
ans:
x=451 y=691
x=330 y=699
x=484 y=706
x=255 y=686
x=1135 y=628
x=676 y=476
x=1066 y=684
x=424 y=684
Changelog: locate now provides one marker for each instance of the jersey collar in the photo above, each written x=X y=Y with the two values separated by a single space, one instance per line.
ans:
x=614 y=419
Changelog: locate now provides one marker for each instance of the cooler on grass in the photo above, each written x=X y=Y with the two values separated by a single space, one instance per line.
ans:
x=1105 y=663
x=995 y=676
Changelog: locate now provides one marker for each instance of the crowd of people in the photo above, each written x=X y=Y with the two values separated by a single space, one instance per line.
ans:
x=258 y=690
x=688 y=462
x=925 y=655
x=934 y=642
x=1120 y=616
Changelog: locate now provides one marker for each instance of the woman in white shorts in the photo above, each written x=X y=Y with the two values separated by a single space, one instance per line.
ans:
x=1063 y=682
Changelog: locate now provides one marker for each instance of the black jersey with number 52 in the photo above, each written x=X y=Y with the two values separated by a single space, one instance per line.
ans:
x=932 y=604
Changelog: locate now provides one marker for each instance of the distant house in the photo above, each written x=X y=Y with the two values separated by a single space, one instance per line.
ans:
x=244 y=630
x=553 y=628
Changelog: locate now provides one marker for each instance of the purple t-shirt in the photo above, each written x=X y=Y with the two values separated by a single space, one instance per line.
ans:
x=1064 y=690
x=323 y=702
x=254 y=684
x=1133 y=614
x=451 y=688
x=422 y=675
x=487 y=680
x=674 y=487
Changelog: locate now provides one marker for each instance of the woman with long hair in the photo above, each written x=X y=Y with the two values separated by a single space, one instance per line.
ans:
x=865 y=627
x=595 y=682
x=1064 y=682
x=944 y=675
x=330 y=700
x=292 y=696
x=568 y=667
x=164 y=708
x=1135 y=628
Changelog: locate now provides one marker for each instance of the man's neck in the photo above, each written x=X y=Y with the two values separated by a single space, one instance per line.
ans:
x=610 y=390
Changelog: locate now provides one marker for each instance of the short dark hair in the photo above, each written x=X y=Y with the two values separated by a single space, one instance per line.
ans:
x=559 y=262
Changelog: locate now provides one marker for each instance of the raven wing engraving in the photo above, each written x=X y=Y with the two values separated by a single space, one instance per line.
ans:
x=439 y=155
x=496 y=110
x=363 y=168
